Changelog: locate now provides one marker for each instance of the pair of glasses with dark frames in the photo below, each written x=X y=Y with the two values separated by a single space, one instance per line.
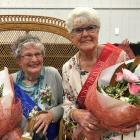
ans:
x=90 y=28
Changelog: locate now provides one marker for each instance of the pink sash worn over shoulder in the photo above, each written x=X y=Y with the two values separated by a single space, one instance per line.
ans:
x=108 y=57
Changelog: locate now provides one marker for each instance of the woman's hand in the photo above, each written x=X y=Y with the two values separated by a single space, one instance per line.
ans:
x=86 y=120
x=42 y=122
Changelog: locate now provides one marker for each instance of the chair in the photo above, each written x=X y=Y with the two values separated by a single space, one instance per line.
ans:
x=51 y=31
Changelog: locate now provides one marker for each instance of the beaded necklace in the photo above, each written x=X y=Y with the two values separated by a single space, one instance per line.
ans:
x=83 y=72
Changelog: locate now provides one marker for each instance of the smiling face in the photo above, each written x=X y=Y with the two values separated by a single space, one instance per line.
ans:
x=87 y=37
x=31 y=60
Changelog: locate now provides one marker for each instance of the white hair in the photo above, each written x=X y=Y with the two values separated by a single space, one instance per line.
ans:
x=25 y=41
x=82 y=15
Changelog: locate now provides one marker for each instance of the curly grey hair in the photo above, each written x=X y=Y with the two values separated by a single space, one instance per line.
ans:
x=25 y=41
x=82 y=15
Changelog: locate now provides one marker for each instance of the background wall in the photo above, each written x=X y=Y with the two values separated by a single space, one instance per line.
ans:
x=120 y=19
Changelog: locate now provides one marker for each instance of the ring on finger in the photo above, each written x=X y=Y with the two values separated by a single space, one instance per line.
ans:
x=93 y=127
x=89 y=125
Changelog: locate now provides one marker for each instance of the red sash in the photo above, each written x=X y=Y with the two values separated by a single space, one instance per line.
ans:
x=109 y=54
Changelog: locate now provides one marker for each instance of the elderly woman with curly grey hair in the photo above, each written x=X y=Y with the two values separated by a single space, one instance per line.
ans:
x=38 y=87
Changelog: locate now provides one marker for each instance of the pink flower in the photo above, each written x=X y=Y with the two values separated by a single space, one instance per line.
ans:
x=134 y=89
x=119 y=76
x=129 y=76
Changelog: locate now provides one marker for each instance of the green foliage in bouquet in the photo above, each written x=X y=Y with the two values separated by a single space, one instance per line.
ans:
x=1 y=89
x=31 y=122
x=121 y=92
x=68 y=129
x=125 y=85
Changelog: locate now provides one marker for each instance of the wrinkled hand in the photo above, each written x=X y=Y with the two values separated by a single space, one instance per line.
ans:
x=42 y=122
x=86 y=120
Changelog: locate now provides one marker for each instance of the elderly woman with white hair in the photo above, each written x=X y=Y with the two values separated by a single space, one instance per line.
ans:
x=38 y=87
x=82 y=70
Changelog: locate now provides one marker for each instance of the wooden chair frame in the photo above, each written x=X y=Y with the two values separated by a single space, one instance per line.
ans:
x=36 y=23
x=30 y=23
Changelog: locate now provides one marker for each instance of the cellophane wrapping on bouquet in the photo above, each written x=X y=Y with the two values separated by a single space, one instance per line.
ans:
x=10 y=109
x=112 y=113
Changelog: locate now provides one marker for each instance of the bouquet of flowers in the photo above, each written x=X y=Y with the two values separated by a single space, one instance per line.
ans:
x=31 y=122
x=116 y=96
x=10 y=109
x=125 y=84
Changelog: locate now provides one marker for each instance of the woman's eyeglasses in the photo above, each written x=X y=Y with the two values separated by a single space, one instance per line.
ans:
x=30 y=56
x=90 y=29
